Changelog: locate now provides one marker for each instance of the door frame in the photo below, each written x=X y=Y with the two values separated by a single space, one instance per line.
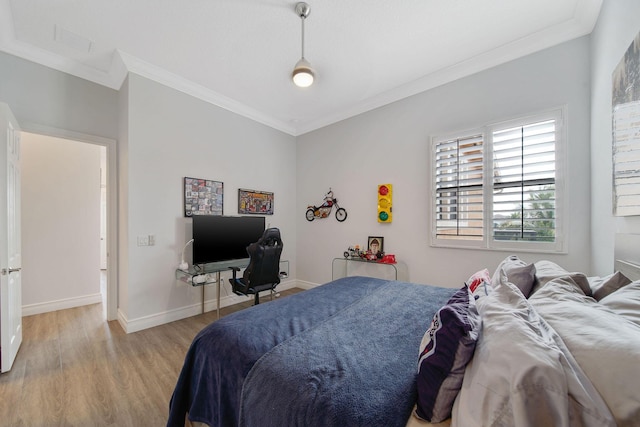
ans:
x=112 y=201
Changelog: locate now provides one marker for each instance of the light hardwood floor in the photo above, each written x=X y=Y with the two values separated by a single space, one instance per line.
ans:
x=76 y=369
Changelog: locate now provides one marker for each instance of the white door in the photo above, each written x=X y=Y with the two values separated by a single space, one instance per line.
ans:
x=103 y=219
x=10 y=259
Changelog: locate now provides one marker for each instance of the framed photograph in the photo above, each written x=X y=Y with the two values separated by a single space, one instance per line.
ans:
x=255 y=202
x=375 y=244
x=202 y=197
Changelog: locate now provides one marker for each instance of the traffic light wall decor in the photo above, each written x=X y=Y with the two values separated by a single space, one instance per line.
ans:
x=385 y=209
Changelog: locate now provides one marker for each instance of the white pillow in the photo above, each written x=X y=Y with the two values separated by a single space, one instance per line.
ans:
x=625 y=302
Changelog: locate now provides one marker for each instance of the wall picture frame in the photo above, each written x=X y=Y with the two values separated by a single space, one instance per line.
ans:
x=203 y=197
x=375 y=244
x=255 y=202
x=626 y=132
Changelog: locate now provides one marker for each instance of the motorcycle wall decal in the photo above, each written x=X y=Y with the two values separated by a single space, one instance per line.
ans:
x=324 y=210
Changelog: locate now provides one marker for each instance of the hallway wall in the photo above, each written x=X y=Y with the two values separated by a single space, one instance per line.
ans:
x=60 y=223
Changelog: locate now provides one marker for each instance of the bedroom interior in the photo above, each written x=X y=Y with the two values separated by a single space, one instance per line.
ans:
x=160 y=130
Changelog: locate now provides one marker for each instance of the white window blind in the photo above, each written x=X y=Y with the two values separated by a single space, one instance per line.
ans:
x=501 y=186
x=459 y=188
x=524 y=191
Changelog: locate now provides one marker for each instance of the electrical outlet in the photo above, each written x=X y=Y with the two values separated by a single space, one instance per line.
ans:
x=143 y=240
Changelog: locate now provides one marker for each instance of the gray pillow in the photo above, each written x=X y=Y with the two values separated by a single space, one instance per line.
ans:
x=518 y=272
x=509 y=262
x=523 y=277
x=547 y=271
x=609 y=285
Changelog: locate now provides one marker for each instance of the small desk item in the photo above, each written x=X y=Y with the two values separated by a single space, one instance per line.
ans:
x=340 y=268
x=208 y=274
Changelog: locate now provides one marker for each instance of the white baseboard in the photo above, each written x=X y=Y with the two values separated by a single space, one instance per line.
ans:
x=135 y=325
x=46 y=307
x=146 y=322
x=306 y=285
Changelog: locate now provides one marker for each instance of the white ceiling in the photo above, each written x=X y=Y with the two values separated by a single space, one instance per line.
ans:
x=239 y=54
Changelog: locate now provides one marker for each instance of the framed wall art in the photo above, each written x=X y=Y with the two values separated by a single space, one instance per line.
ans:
x=202 y=197
x=255 y=202
x=626 y=132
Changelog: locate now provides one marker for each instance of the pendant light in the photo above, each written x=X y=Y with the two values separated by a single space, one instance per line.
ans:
x=303 y=74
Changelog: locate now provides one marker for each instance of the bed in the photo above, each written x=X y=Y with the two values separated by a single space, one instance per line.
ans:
x=525 y=344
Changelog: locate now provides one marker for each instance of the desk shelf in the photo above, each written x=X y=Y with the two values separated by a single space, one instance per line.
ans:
x=209 y=274
x=343 y=267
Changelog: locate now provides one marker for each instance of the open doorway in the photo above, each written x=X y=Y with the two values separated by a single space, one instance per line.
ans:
x=65 y=221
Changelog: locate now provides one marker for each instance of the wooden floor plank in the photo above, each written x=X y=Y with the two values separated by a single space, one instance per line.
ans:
x=76 y=369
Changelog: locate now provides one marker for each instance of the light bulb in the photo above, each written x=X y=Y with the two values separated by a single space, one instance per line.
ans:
x=303 y=74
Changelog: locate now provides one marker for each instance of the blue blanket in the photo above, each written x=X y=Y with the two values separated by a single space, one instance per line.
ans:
x=355 y=339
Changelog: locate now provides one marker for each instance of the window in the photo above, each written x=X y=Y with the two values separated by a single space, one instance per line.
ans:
x=459 y=188
x=498 y=187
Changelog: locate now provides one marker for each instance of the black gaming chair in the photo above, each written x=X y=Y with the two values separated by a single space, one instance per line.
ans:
x=263 y=271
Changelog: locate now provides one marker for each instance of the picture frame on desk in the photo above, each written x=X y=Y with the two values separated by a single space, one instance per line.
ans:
x=375 y=244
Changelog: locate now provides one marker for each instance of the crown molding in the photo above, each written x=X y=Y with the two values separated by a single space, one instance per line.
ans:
x=533 y=43
x=123 y=63
x=166 y=78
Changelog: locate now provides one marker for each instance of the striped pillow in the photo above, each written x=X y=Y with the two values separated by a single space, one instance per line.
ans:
x=446 y=348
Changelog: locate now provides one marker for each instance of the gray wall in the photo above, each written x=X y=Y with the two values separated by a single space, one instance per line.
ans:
x=46 y=97
x=391 y=145
x=60 y=223
x=171 y=135
x=163 y=135
x=42 y=98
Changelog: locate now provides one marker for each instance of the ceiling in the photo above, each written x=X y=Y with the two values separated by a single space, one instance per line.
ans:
x=239 y=54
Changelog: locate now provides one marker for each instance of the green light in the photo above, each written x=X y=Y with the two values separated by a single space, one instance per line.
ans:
x=383 y=216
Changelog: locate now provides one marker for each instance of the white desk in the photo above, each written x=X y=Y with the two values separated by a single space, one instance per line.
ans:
x=343 y=267
x=208 y=274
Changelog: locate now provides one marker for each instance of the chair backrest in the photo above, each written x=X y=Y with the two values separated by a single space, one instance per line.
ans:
x=264 y=265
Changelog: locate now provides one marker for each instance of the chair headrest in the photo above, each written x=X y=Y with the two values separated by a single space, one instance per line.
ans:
x=270 y=237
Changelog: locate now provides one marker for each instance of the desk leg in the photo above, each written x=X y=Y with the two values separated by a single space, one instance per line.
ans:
x=218 y=292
